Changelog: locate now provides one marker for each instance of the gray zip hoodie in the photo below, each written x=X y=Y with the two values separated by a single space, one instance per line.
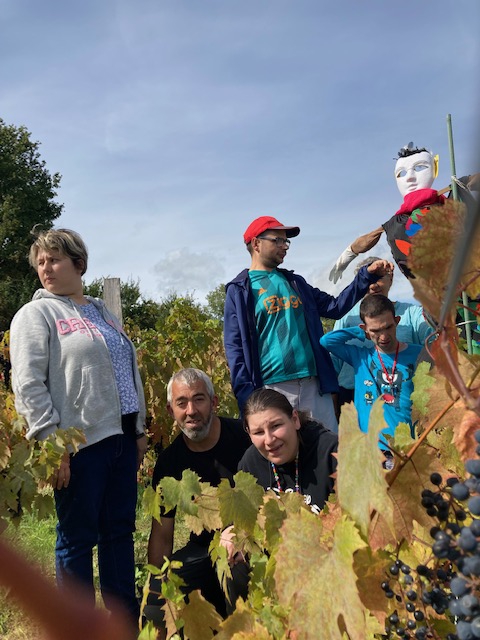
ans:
x=62 y=373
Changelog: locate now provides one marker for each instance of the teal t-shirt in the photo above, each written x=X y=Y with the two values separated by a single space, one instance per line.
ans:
x=284 y=345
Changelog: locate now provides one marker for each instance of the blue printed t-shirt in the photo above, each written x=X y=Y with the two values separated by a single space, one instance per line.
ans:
x=284 y=345
x=370 y=381
x=121 y=356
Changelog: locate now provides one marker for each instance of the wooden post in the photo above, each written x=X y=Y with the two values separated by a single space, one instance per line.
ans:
x=112 y=297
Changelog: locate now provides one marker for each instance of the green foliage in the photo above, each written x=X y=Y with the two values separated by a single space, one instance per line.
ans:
x=216 y=302
x=27 y=193
x=137 y=311
x=25 y=466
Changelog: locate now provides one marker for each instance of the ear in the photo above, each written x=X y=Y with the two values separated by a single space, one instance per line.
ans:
x=215 y=402
x=170 y=410
x=397 y=319
x=364 y=327
x=296 y=419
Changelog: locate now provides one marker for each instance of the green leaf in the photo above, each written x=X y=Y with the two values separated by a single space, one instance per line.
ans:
x=422 y=382
x=180 y=493
x=240 y=504
x=361 y=484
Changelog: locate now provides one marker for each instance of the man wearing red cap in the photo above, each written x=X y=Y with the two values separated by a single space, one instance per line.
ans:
x=273 y=326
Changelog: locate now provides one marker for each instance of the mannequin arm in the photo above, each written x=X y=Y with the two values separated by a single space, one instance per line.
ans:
x=364 y=243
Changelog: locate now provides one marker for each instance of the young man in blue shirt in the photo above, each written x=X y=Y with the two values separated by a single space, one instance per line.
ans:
x=384 y=369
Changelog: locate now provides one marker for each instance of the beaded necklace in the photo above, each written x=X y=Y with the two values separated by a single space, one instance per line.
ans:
x=277 y=477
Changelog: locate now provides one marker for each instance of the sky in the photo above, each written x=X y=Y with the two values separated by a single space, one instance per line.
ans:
x=175 y=123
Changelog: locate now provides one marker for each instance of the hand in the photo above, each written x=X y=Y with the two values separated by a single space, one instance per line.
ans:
x=381 y=268
x=226 y=540
x=61 y=477
x=341 y=264
x=364 y=243
x=142 y=446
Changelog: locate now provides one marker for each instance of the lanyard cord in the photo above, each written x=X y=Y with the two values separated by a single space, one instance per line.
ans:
x=277 y=477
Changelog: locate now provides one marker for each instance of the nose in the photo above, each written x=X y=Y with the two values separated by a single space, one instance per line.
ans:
x=190 y=409
x=269 y=437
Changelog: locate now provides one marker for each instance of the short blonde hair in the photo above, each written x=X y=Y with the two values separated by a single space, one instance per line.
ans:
x=65 y=241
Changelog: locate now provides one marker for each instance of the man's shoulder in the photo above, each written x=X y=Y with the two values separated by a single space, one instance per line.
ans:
x=239 y=279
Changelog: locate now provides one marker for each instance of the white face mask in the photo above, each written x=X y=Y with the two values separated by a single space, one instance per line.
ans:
x=415 y=172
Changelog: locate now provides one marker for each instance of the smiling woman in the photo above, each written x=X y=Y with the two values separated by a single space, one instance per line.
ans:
x=290 y=452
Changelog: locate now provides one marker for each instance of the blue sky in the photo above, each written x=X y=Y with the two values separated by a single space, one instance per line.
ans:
x=175 y=123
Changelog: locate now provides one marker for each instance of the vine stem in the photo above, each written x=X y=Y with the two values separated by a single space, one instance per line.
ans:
x=404 y=459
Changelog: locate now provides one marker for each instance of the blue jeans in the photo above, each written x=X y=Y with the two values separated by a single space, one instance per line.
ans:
x=98 y=508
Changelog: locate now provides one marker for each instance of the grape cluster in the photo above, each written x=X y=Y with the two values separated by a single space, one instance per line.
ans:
x=414 y=590
x=452 y=585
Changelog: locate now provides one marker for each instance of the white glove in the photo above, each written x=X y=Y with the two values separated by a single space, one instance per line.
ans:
x=341 y=264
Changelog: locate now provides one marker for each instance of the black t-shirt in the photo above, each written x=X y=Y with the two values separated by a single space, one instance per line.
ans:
x=315 y=466
x=221 y=461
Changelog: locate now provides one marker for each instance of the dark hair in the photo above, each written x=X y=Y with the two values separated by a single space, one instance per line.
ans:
x=409 y=150
x=263 y=399
x=374 y=305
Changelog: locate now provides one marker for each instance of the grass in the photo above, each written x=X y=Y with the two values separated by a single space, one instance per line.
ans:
x=36 y=540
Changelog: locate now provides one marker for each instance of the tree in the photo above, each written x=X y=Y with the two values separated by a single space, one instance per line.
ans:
x=27 y=192
x=136 y=310
x=216 y=302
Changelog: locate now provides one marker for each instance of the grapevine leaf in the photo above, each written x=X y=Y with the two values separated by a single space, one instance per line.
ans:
x=208 y=514
x=405 y=495
x=274 y=518
x=180 y=493
x=5 y=454
x=240 y=504
x=241 y=625
x=361 y=483
x=151 y=503
x=423 y=381
x=370 y=569
x=432 y=253
x=304 y=570
x=200 y=618
x=463 y=437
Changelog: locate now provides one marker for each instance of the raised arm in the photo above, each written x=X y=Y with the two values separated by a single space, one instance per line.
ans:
x=361 y=245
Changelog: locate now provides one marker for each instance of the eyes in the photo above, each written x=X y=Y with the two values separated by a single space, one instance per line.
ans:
x=258 y=432
x=182 y=403
x=417 y=168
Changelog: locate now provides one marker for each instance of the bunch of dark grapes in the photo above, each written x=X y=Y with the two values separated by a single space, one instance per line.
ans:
x=452 y=585
x=414 y=590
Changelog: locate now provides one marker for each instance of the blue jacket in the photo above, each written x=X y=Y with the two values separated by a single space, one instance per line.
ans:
x=240 y=334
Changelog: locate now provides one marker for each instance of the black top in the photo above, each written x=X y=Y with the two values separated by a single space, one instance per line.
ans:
x=315 y=466
x=211 y=466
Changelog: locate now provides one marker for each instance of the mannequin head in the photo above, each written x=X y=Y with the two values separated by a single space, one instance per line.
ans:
x=415 y=169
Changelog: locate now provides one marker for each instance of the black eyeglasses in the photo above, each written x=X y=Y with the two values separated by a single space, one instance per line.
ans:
x=280 y=242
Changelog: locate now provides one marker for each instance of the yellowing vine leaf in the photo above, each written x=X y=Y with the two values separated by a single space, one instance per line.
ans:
x=405 y=496
x=463 y=436
x=304 y=571
x=242 y=625
x=208 y=514
x=432 y=253
x=361 y=484
x=200 y=618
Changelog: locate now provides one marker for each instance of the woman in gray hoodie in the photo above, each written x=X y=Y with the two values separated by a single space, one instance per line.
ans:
x=73 y=366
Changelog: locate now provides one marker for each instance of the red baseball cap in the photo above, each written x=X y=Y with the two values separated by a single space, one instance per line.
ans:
x=259 y=225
